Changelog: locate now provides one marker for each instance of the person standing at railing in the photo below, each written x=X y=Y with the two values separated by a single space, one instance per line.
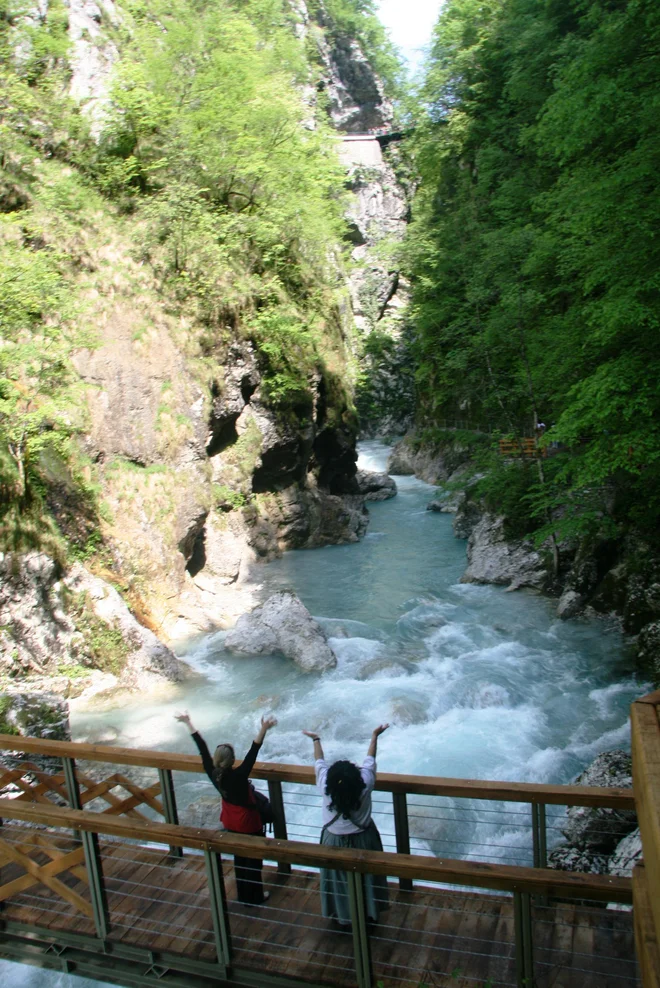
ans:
x=347 y=822
x=240 y=812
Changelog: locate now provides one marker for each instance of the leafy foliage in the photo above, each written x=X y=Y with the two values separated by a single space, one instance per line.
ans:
x=535 y=263
x=6 y=727
x=235 y=199
x=240 y=201
x=40 y=393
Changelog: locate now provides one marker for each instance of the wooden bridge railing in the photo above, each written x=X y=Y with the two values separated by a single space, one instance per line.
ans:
x=79 y=790
x=520 y=883
x=645 y=723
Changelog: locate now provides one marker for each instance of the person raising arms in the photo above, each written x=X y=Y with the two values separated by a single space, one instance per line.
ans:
x=239 y=813
x=347 y=822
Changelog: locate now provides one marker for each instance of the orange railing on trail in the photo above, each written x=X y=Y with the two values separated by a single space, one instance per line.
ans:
x=526 y=446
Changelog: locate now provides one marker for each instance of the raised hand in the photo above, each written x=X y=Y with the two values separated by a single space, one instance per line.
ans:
x=268 y=722
x=311 y=734
x=183 y=717
x=379 y=730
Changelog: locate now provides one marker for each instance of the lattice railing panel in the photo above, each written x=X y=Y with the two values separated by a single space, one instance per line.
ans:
x=36 y=786
x=28 y=855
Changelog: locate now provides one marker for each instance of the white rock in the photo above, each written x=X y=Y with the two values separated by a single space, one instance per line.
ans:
x=493 y=559
x=627 y=854
x=283 y=624
x=250 y=636
x=570 y=604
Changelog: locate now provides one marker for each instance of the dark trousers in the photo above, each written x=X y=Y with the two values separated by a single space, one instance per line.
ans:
x=248 y=880
x=249 y=888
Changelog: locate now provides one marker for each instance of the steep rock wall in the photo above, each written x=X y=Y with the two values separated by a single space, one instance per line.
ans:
x=200 y=473
x=355 y=100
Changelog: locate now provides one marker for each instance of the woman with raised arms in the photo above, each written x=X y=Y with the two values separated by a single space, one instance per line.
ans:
x=347 y=822
x=240 y=812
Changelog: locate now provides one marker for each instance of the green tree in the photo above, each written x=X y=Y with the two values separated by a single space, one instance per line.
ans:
x=533 y=256
x=39 y=389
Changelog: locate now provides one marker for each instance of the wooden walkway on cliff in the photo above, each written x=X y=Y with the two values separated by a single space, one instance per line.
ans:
x=119 y=891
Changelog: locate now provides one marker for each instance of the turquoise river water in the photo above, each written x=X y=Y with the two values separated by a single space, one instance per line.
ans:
x=476 y=683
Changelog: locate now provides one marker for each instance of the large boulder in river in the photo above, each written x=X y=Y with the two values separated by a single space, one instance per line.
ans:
x=601 y=828
x=628 y=853
x=283 y=624
x=375 y=486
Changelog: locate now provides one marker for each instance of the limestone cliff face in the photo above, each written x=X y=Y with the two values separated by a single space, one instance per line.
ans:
x=93 y=53
x=379 y=293
x=200 y=473
x=201 y=476
x=359 y=109
x=347 y=85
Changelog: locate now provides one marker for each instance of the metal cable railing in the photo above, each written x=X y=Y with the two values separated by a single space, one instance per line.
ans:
x=149 y=895
x=141 y=880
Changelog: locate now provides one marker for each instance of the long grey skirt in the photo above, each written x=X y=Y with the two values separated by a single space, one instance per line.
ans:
x=334 y=885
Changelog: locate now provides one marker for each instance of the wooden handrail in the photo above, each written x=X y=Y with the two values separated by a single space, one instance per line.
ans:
x=507 y=878
x=516 y=792
x=645 y=731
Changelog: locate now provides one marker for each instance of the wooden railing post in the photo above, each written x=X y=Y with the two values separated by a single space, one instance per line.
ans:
x=219 y=910
x=279 y=824
x=361 y=947
x=169 y=804
x=402 y=833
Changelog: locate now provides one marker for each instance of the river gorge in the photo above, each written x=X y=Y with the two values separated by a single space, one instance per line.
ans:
x=475 y=682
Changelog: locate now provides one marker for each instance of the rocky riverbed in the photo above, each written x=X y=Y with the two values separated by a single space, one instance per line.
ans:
x=619 y=579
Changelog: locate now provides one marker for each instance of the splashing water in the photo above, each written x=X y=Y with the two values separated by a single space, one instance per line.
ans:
x=476 y=682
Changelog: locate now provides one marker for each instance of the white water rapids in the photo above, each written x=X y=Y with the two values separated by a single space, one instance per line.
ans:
x=476 y=683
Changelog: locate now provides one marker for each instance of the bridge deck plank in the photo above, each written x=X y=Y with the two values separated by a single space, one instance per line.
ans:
x=441 y=937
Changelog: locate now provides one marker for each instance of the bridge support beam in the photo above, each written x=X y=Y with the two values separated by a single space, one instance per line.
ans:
x=219 y=911
x=169 y=804
x=279 y=825
x=90 y=843
x=539 y=835
x=522 y=909
x=97 y=894
x=361 y=948
x=402 y=833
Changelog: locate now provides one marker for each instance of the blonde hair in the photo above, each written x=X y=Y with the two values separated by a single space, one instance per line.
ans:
x=223 y=757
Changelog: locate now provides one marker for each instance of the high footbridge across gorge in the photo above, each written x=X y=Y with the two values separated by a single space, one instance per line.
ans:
x=98 y=878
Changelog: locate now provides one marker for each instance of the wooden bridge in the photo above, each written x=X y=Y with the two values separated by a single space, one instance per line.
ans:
x=97 y=877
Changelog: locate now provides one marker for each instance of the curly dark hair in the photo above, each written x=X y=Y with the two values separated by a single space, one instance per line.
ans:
x=344 y=786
